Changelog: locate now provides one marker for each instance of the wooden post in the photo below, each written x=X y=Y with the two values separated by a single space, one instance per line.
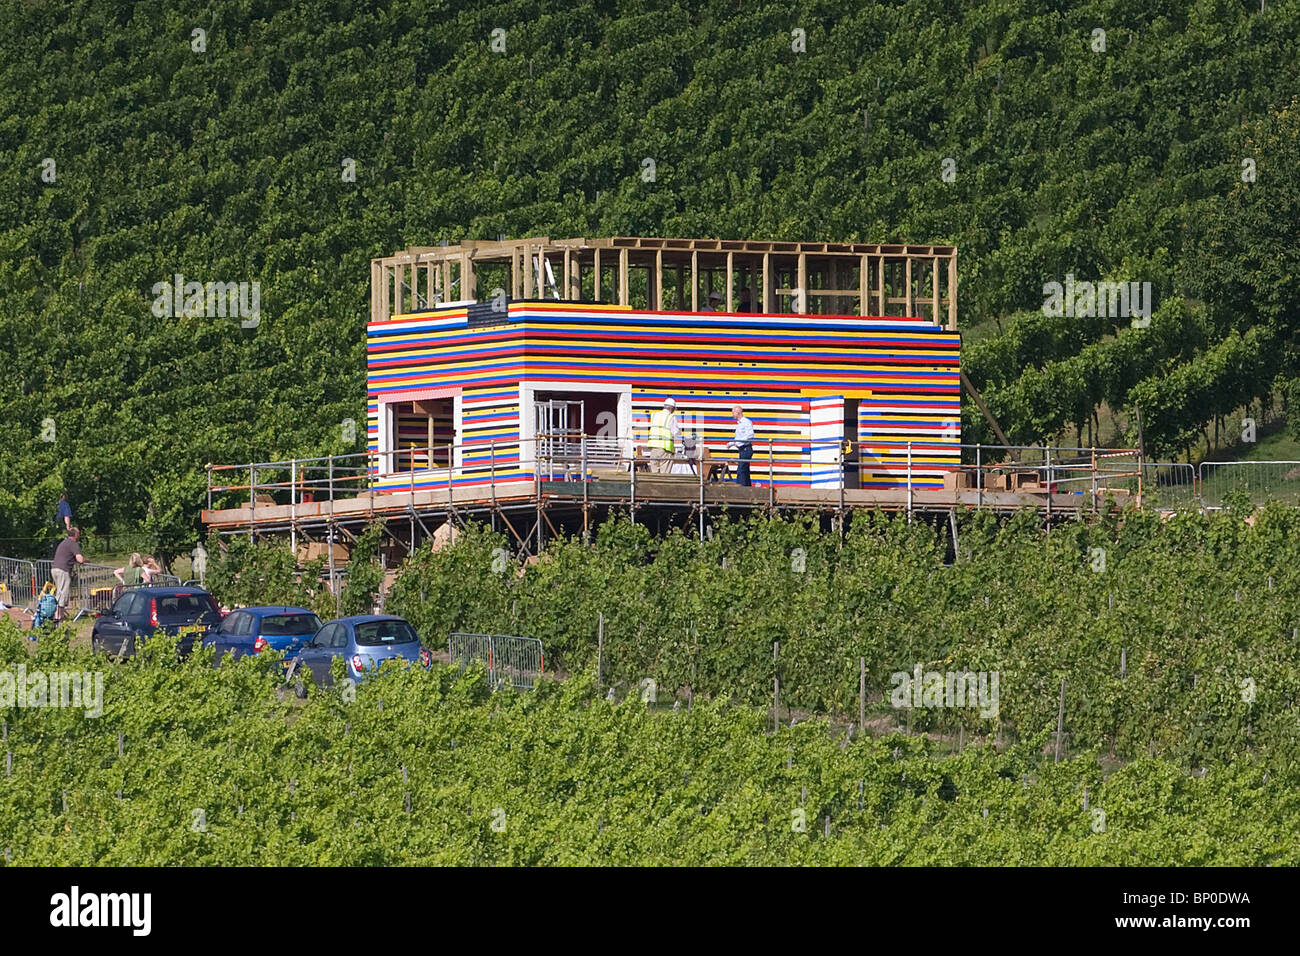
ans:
x=862 y=694
x=528 y=271
x=864 y=286
x=910 y=310
x=731 y=302
x=880 y=284
x=659 y=280
x=934 y=289
x=1060 y=721
x=623 y=267
x=767 y=282
x=595 y=287
x=376 y=271
x=801 y=282
x=833 y=281
x=776 y=688
x=952 y=292
x=695 y=280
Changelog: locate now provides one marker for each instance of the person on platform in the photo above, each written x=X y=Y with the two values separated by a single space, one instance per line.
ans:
x=746 y=301
x=64 y=517
x=715 y=302
x=743 y=442
x=665 y=435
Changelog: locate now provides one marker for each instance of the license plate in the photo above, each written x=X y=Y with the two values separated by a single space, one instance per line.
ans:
x=189 y=629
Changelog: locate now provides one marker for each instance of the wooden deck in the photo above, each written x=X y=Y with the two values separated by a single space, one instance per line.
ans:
x=593 y=499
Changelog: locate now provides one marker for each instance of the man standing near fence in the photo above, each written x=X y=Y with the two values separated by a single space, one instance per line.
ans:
x=66 y=556
x=743 y=442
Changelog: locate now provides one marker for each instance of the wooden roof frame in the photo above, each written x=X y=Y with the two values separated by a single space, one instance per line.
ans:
x=422 y=277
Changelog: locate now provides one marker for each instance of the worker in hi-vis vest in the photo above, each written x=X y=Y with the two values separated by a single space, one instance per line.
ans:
x=665 y=432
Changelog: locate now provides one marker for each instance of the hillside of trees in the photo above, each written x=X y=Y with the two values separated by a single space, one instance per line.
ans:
x=144 y=141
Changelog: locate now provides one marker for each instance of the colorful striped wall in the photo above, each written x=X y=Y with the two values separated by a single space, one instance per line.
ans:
x=789 y=372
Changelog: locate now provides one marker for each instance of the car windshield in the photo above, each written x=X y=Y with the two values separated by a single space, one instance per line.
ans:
x=372 y=633
x=290 y=625
x=187 y=608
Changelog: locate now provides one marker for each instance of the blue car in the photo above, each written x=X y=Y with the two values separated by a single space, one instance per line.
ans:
x=364 y=642
x=141 y=612
x=251 y=630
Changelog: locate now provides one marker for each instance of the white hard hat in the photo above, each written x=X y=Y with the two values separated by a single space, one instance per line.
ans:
x=670 y=403
x=715 y=294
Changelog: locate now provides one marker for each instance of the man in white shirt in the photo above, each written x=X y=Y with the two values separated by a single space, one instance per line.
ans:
x=744 y=443
x=715 y=300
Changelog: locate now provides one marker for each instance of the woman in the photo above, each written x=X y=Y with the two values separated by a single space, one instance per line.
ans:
x=132 y=575
x=150 y=568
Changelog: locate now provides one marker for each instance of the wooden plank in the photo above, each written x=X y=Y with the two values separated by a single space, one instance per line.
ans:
x=801 y=281
x=595 y=293
x=731 y=260
x=375 y=270
x=934 y=287
x=952 y=292
x=695 y=280
x=767 y=282
x=864 y=286
x=623 y=266
x=880 y=285
x=659 y=281
x=910 y=313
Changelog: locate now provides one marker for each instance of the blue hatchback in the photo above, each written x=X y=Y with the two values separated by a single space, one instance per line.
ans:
x=364 y=642
x=251 y=630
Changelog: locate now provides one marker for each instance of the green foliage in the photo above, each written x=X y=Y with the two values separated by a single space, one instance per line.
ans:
x=1193 y=606
x=195 y=765
x=226 y=165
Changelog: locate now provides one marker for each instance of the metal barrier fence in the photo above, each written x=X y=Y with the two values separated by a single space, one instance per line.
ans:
x=519 y=660
x=1260 y=480
x=18 y=585
x=1169 y=485
x=94 y=586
